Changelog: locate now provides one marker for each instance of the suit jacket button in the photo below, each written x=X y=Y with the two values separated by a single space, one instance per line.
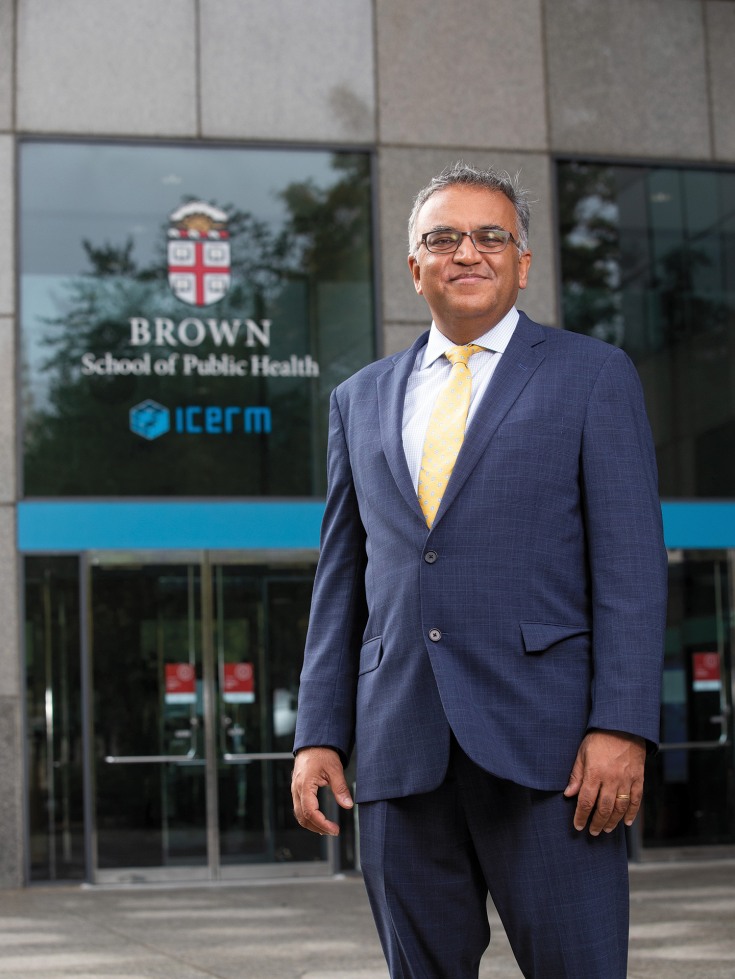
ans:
x=430 y=557
x=435 y=635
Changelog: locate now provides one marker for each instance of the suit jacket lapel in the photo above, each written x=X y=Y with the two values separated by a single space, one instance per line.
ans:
x=391 y=396
x=517 y=364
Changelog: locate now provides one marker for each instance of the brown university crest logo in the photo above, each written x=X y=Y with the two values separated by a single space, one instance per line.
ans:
x=199 y=254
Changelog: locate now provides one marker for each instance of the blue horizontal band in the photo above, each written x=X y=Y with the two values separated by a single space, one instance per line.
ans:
x=80 y=525
x=699 y=525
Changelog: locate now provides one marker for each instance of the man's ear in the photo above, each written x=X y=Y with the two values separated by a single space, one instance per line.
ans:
x=416 y=273
x=525 y=265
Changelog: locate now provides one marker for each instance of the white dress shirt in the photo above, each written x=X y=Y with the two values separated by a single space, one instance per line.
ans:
x=431 y=371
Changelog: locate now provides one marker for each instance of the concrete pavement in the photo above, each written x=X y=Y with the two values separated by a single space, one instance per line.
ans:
x=683 y=927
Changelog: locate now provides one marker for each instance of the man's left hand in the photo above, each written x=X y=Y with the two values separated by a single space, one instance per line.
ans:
x=607 y=779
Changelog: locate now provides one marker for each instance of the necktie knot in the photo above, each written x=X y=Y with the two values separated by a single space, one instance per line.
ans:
x=445 y=432
x=461 y=355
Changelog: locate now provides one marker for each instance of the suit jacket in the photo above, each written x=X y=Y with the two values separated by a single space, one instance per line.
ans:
x=531 y=612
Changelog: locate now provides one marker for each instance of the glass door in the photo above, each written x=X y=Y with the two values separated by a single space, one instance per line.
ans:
x=260 y=620
x=148 y=712
x=193 y=670
x=55 y=799
x=690 y=783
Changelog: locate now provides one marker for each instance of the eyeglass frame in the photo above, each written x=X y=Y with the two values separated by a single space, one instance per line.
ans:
x=468 y=234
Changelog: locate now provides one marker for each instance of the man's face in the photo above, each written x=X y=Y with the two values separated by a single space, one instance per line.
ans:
x=468 y=292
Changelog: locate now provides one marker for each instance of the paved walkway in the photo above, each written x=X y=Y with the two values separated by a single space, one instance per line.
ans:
x=683 y=927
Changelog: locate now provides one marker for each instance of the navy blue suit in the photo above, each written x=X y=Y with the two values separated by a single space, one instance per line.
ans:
x=532 y=611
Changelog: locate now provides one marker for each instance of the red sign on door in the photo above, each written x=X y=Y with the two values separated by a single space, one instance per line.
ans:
x=180 y=683
x=238 y=685
x=706 y=671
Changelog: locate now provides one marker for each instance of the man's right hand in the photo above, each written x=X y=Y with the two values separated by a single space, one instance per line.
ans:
x=313 y=769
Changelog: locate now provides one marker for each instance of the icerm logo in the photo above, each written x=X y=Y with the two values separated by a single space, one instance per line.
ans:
x=218 y=420
x=149 y=419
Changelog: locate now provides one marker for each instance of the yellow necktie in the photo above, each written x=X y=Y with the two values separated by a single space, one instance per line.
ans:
x=445 y=432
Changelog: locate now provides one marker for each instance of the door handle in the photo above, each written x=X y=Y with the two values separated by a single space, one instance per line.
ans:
x=722 y=719
x=188 y=759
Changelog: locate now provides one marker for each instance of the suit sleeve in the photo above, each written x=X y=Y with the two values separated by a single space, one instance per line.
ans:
x=327 y=693
x=626 y=553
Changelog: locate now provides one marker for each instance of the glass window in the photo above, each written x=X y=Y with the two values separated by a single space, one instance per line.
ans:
x=185 y=312
x=648 y=263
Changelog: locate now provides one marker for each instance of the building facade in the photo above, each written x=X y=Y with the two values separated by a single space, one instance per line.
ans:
x=203 y=212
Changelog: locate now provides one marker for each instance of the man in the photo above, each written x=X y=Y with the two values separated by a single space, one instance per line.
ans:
x=488 y=614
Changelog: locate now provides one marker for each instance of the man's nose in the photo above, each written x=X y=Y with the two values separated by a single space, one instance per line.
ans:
x=466 y=253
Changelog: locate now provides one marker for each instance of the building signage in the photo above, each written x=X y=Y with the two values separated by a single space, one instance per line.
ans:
x=191 y=346
x=706 y=672
x=238 y=683
x=193 y=333
x=180 y=683
x=151 y=420
x=199 y=254
x=199 y=275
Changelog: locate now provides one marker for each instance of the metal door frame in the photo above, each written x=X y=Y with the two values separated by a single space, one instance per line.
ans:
x=212 y=870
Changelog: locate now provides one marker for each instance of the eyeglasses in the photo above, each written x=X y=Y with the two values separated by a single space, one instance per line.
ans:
x=484 y=240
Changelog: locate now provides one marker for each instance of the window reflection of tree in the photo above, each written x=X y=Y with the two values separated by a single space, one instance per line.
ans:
x=75 y=443
x=657 y=287
x=686 y=309
x=590 y=251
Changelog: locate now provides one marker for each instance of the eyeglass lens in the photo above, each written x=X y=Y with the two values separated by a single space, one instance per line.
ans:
x=484 y=240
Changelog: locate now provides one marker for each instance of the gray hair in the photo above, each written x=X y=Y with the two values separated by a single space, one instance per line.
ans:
x=461 y=173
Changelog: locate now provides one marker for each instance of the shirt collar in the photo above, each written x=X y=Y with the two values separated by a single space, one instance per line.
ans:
x=497 y=339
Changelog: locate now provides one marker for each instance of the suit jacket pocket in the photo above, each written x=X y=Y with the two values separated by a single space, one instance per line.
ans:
x=371 y=655
x=539 y=636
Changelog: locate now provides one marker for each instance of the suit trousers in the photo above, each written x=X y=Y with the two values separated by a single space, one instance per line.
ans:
x=429 y=862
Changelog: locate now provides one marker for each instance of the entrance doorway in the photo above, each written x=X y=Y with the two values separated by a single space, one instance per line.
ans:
x=194 y=670
x=161 y=703
x=690 y=783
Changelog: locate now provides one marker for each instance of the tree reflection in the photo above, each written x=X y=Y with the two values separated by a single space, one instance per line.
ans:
x=76 y=434
x=644 y=265
x=590 y=251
